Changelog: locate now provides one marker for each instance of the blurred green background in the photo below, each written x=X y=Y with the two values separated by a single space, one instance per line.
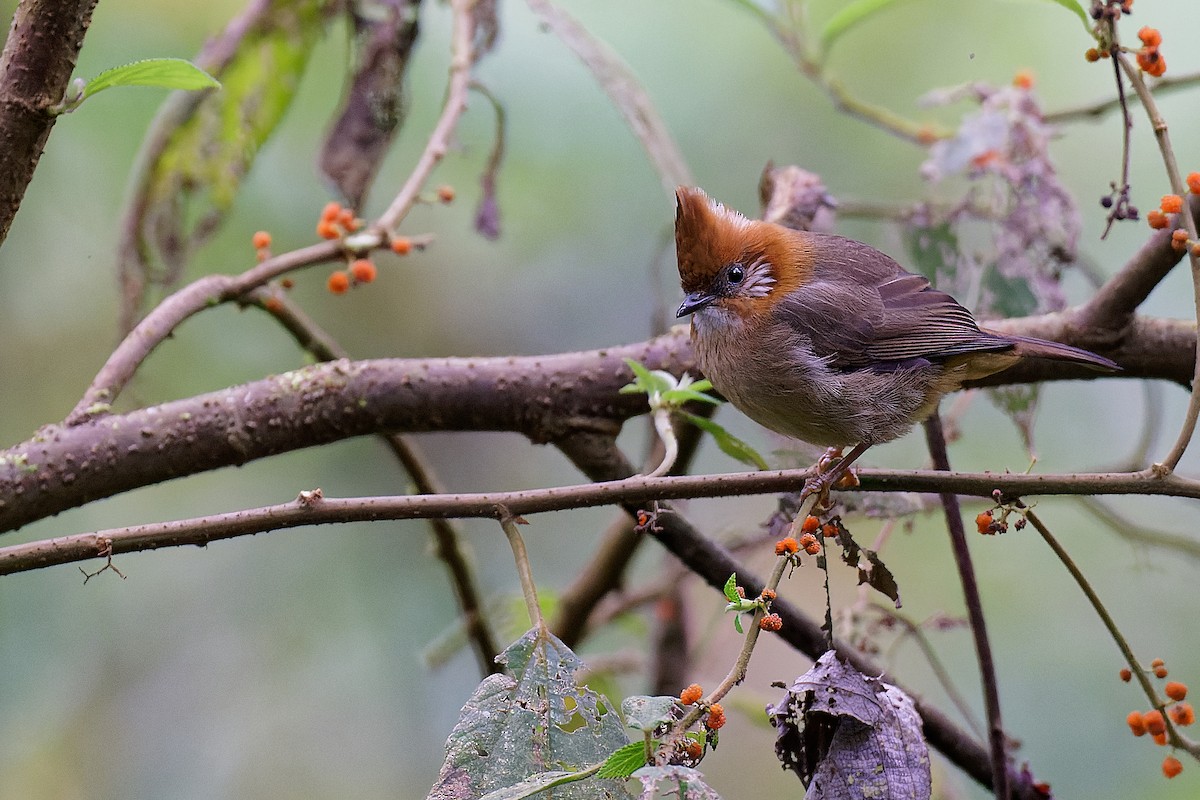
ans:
x=293 y=664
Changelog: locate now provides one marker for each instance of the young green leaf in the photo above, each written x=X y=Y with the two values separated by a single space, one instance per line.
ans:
x=165 y=73
x=730 y=590
x=730 y=445
x=650 y=382
x=848 y=17
x=1073 y=5
x=624 y=762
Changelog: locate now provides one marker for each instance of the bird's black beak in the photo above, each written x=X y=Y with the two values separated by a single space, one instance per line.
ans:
x=694 y=301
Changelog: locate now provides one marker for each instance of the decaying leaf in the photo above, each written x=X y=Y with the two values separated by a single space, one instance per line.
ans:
x=374 y=105
x=202 y=145
x=850 y=737
x=531 y=719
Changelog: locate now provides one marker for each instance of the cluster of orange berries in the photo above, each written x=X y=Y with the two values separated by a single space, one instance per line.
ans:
x=1149 y=59
x=1152 y=722
x=715 y=717
x=1173 y=204
x=336 y=221
x=987 y=523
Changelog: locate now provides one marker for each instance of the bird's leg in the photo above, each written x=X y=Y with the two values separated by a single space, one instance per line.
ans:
x=832 y=467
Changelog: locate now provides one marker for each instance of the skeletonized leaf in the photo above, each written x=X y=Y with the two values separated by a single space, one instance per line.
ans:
x=531 y=720
x=165 y=73
x=851 y=737
x=684 y=783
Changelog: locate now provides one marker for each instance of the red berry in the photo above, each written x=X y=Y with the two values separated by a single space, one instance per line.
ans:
x=1125 y=674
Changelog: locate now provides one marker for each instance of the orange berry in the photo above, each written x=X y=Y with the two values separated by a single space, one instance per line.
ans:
x=926 y=135
x=807 y=539
x=331 y=211
x=829 y=530
x=1154 y=721
x=810 y=524
x=771 y=622
x=1183 y=714
x=694 y=750
x=786 y=546
x=1092 y=54
x=1160 y=739
x=1171 y=766
x=768 y=594
x=1125 y=674
x=1136 y=723
x=363 y=270
x=347 y=220
x=1160 y=672
x=691 y=694
x=1023 y=79
x=446 y=194
x=273 y=304
x=1158 y=662
x=1193 y=182
x=1179 y=240
x=1157 y=219
x=401 y=245
x=1196 y=250
x=1150 y=36
x=983 y=522
x=1171 y=203
x=261 y=240
x=287 y=283
x=338 y=283
x=327 y=230
x=716 y=717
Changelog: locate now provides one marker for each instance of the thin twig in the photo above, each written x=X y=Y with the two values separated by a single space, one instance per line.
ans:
x=524 y=571
x=449 y=547
x=631 y=491
x=456 y=103
x=974 y=604
x=1101 y=107
x=1176 y=738
x=1159 y=124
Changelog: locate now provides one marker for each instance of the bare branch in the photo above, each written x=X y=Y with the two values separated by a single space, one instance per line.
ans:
x=35 y=68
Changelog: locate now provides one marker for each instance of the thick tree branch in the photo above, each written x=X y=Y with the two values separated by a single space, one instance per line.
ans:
x=35 y=68
x=543 y=397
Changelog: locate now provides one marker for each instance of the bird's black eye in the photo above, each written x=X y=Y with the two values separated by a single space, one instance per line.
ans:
x=736 y=273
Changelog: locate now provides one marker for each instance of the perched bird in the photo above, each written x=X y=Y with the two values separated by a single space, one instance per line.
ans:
x=826 y=339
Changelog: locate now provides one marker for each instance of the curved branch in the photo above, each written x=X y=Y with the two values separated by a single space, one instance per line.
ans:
x=543 y=397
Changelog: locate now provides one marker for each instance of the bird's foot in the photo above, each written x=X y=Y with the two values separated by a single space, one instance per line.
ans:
x=833 y=472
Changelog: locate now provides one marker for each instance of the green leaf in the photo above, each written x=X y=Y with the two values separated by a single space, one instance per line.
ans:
x=933 y=250
x=678 y=397
x=624 y=762
x=202 y=145
x=1073 y=5
x=646 y=712
x=536 y=784
x=848 y=17
x=730 y=590
x=730 y=445
x=165 y=73
x=650 y=382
